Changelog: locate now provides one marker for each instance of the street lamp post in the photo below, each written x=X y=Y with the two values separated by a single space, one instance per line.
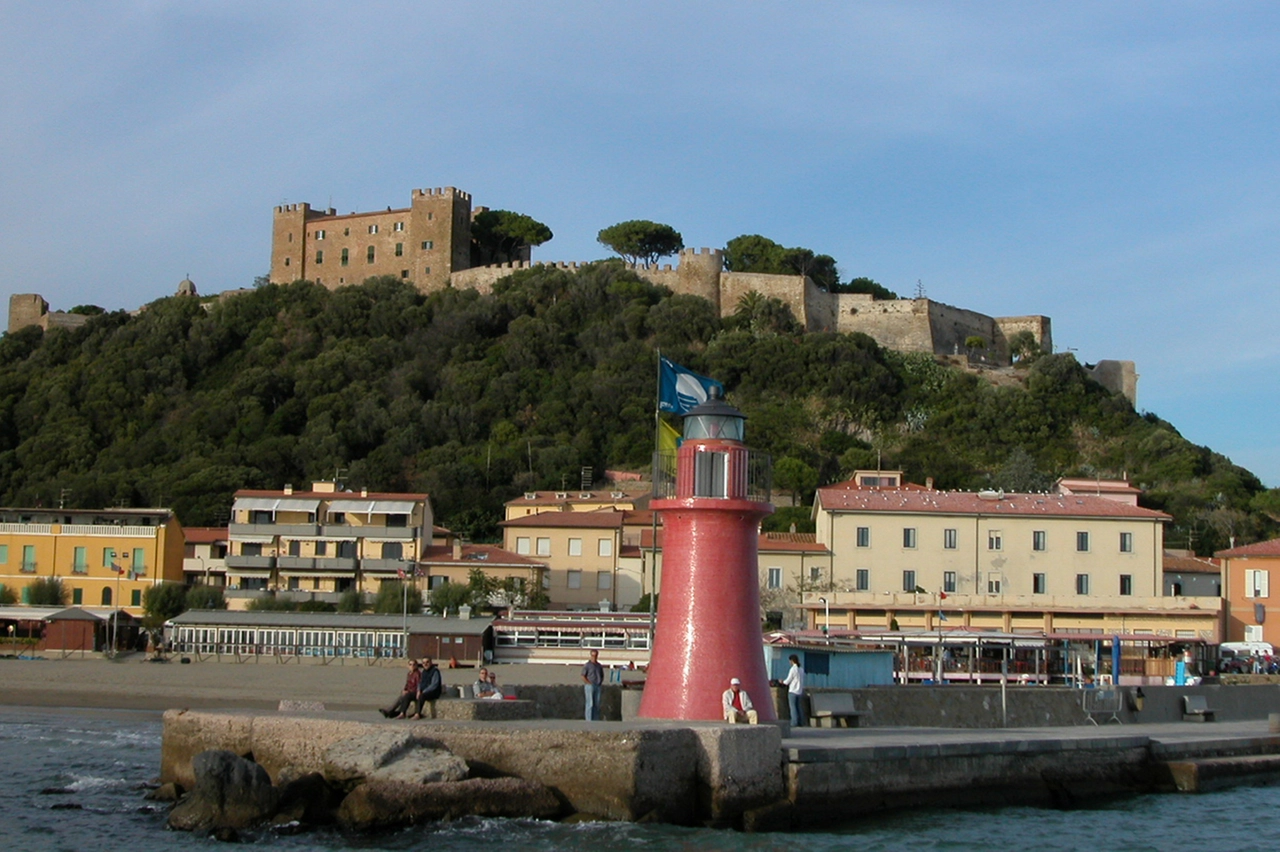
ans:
x=826 y=618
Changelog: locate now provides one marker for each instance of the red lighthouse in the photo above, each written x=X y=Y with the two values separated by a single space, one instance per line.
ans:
x=708 y=627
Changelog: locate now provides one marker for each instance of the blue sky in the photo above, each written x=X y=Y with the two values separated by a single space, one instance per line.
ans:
x=1114 y=166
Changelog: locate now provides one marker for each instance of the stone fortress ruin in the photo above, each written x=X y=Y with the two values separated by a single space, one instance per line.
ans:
x=429 y=244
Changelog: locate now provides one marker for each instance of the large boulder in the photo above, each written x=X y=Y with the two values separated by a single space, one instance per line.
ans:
x=307 y=799
x=379 y=803
x=229 y=792
x=392 y=756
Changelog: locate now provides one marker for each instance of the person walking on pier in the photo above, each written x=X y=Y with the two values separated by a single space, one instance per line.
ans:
x=429 y=687
x=737 y=704
x=592 y=678
x=795 y=691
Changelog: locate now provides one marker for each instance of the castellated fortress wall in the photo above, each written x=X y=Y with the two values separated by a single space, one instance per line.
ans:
x=429 y=242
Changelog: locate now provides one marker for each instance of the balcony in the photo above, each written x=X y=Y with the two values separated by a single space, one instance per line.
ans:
x=28 y=568
x=335 y=563
x=272 y=530
x=380 y=533
x=305 y=563
x=258 y=562
x=387 y=565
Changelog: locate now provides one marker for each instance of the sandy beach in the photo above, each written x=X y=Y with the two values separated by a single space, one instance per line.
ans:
x=134 y=684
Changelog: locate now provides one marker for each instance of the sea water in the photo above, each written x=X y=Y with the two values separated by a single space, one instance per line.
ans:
x=75 y=780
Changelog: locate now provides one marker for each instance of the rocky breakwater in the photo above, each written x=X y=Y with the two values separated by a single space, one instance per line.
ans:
x=367 y=775
x=384 y=779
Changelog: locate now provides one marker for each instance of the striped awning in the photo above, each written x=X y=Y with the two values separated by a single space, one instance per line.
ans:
x=372 y=507
x=276 y=504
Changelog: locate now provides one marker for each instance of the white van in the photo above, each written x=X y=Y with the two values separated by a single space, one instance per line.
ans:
x=1231 y=650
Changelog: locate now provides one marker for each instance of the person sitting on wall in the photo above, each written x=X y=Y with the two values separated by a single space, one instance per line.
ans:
x=482 y=688
x=737 y=705
x=408 y=696
x=430 y=686
x=494 y=692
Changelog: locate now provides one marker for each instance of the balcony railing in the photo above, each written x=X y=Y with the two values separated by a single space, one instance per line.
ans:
x=335 y=563
x=283 y=530
x=234 y=561
x=28 y=568
x=386 y=565
x=353 y=532
x=296 y=562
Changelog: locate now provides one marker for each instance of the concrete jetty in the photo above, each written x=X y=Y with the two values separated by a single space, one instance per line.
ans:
x=764 y=777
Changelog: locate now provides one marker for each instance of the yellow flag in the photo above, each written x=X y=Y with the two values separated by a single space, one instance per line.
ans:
x=668 y=437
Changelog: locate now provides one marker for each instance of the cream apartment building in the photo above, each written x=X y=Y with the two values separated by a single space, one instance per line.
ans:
x=323 y=541
x=583 y=554
x=1041 y=563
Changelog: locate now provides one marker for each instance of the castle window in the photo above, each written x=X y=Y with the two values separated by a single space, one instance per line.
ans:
x=368 y=255
x=320 y=235
x=286 y=261
x=428 y=245
x=399 y=249
x=373 y=229
x=399 y=226
x=430 y=216
x=404 y=273
x=291 y=236
x=346 y=232
x=427 y=270
x=345 y=256
x=319 y=256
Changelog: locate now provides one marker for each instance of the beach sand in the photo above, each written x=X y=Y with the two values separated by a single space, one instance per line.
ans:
x=131 y=683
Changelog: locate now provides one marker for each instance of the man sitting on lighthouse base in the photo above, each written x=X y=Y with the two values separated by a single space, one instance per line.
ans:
x=737 y=704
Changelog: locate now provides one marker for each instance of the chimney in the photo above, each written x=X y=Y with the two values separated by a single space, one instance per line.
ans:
x=457 y=549
x=364 y=492
x=928 y=482
x=288 y=488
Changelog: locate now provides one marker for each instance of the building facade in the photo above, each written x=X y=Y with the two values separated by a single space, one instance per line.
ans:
x=583 y=555
x=909 y=557
x=424 y=242
x=323 y=542
x=104 y=557
x=1252 y=614
x=204 y=561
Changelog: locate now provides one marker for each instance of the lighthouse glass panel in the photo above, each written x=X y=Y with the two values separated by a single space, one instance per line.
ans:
x=714 y=426
x=710 y=475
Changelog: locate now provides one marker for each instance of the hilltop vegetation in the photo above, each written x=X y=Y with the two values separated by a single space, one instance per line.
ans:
x=476 y=398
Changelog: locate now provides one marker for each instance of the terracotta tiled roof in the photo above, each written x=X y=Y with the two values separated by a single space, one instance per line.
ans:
x=1185 y=564
x=603 y=519
x=923 y=501
x=332 y=495
x=552 y=498
x=1261 y=548
x=478 y=555
x=205 y=535
x=789 y=541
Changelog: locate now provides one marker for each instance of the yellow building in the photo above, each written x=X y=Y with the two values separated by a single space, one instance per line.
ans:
x=322 y=542
x=583 y=555
x=104 y=557
x=1033 y=563
x=454 y=562
x=535 y=502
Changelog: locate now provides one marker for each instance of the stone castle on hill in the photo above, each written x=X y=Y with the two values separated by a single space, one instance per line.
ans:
x=429 y=243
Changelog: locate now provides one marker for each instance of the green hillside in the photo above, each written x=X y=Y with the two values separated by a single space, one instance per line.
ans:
x=475 y=399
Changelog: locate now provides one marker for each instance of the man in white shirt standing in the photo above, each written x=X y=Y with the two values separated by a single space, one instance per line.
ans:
x=795 y=690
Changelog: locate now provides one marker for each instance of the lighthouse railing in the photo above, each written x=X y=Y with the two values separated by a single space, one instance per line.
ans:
x=759 y=475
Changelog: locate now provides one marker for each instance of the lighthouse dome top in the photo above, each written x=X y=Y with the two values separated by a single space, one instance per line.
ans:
x=715 y=418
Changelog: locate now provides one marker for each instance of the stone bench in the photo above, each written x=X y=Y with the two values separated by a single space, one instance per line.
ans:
x=485 y=709
x=1196 y=709
x=830 y=709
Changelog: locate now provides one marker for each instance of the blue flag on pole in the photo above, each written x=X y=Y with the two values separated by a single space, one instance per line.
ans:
x=681 y=389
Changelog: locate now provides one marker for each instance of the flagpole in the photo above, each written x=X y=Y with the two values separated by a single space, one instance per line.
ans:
x=657 y=458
